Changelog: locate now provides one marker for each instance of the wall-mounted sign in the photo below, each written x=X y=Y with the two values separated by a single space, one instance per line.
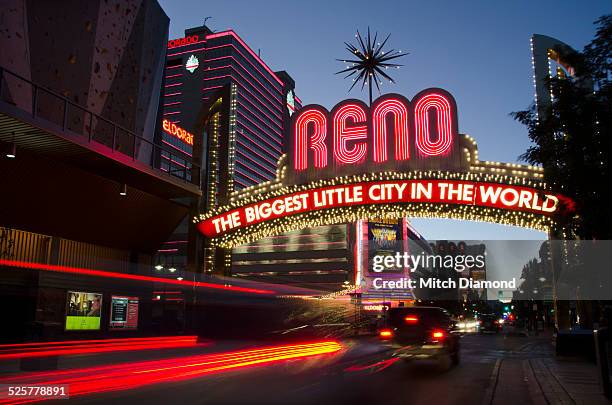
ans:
x=375 y=307
x=124 y=312
x=178 y=132
x=393 y=134
x=192 y=63
x=83 y=310
x=290 y=102
x=173 y=43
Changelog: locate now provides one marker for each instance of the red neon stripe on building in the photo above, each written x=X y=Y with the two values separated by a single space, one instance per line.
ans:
x=176 y=163
x=253 y=54
x=215 y=77
x=274 y=88
x=267 y=99
x=251 y=150
x=133 y=277
x=249 y=177
x=259 y=109
x=274 y=101
x=211 y=87
x=251 y=160
x=241 y=183
x=277 y=148
x=184 y=52
x=248 y=72
x=257 y=98
x=175 y=147
x=252 y=132
x=255 y=171
x=264 y=122
x=210 y=69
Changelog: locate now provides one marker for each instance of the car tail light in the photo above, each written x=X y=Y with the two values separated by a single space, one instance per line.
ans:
x=386 y=334
x=411 y=319
x=438 y=335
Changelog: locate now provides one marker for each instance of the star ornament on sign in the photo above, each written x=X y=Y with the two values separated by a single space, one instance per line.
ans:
x=370 y=63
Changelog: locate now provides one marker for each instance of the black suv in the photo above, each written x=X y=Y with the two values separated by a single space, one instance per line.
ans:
x=422 y=333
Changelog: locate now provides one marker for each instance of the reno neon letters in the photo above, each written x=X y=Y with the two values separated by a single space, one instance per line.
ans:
x=392 y=130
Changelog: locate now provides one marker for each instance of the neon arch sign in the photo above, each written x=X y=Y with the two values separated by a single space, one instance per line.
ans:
x=397 y=158
x=394 y=133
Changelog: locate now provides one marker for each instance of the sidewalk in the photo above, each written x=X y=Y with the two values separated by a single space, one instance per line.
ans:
x=566 y=381
x=533 y=374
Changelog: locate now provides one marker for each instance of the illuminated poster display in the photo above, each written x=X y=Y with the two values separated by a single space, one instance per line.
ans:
x=83 y=310
x=384 y=239
x=383 y=236
x=124 y=312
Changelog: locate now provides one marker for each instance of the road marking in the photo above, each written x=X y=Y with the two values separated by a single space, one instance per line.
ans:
x=533 y=385
x=490 y=392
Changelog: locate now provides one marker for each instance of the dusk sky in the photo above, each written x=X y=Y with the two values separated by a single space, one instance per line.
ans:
x=478 y=50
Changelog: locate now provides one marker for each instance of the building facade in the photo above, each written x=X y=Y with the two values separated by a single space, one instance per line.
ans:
x=79 y=107
x=225 y=106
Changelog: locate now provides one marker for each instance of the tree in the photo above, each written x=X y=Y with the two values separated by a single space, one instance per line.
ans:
x=573 y=139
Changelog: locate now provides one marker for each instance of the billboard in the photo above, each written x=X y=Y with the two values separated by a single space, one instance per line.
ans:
x=383 y=236
x=83 y=310
x=124 y=312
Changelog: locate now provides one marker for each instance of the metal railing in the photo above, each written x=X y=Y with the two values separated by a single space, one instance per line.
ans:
x=70 y=117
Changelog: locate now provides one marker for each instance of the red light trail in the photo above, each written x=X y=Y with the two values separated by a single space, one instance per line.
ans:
x=71 y=347
x=134 y=277
x=133 y=375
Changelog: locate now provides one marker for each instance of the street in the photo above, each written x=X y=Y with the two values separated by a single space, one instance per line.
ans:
x=495 y=369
